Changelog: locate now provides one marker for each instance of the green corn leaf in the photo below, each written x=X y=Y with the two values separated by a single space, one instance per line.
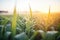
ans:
x=14 y=19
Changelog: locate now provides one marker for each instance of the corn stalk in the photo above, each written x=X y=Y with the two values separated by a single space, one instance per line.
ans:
x=14 y=19
x=30 y=11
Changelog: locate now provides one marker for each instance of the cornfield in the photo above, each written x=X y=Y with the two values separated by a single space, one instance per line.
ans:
x=22 y=28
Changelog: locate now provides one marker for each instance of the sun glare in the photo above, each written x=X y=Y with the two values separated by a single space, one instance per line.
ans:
x=39 y=5
x=36 y=5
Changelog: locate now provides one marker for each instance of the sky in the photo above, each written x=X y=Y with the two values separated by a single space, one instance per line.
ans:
x=36 y=5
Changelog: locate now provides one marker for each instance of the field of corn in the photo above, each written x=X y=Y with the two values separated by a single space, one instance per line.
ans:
x=17 y=27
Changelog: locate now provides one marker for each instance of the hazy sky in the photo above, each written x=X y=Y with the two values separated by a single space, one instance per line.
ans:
x=36 y=5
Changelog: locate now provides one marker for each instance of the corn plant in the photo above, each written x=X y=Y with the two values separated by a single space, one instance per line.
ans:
x=14 y=19
x=3 y=22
